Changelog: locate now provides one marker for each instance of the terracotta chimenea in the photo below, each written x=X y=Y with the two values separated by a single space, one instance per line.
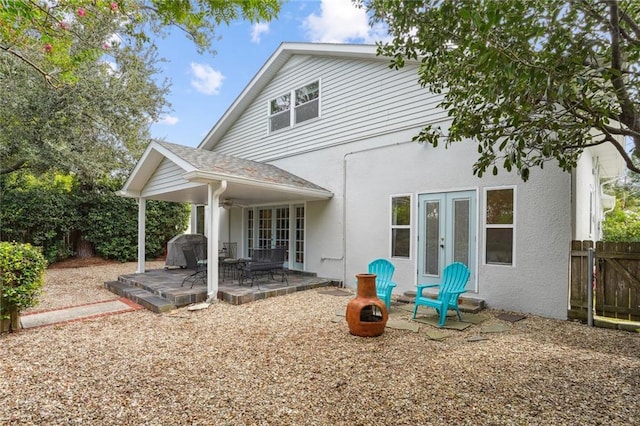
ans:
x=366 y=314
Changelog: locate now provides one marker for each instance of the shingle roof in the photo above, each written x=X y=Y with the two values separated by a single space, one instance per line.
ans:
x=209 y=161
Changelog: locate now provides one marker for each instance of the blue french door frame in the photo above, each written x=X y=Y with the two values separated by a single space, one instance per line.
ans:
x=446 y=233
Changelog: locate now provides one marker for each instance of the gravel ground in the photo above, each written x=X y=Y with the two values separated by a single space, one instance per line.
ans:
x=283 y=361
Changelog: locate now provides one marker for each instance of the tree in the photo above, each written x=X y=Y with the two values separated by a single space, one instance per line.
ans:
x=53 y=37
x=77 y=77
x=623 y=222
x=531 y=81
x=93 y=128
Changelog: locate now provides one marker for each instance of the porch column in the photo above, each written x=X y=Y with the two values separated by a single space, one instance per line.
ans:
x=214 y=189
x=142 y=218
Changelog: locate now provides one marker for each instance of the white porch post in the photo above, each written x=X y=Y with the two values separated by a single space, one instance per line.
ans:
x=142 y=218
x=214 y=189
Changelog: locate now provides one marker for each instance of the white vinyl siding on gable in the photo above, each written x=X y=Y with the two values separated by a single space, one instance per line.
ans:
x=359 y=99
x=167 y=176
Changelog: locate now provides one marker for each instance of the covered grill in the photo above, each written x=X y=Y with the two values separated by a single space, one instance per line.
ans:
x=175 y=256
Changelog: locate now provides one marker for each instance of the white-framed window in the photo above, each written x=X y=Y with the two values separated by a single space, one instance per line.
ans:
x=499 y=225
x=401 y=226
x=306 y=107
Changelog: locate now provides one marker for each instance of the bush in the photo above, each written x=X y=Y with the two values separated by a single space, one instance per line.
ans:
x=39 y=211
x=21 y=276
x=110 y=223
x=56 y=211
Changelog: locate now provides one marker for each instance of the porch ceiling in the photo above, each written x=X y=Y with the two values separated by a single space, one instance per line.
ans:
x=173 y=172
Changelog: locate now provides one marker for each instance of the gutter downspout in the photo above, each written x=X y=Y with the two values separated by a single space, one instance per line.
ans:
x=213 y=231
x=344 y=202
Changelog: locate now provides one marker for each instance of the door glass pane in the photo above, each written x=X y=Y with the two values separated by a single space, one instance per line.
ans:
x=264 y=228
x=461 y=231
x=432 y=231
x=282 y=227
x=299 y=235
x=250 y=229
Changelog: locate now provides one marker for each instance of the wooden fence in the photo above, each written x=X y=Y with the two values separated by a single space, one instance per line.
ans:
x=617 y=286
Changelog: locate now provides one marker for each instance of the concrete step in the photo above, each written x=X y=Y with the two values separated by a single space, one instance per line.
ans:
x=465 y=303
x=140 y=296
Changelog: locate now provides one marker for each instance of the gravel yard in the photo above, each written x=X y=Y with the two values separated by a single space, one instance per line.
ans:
x=283 y=361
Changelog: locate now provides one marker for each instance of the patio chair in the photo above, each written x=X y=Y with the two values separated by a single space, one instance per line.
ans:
x=230 y=261
x=197 y=262
x=384 y=274
x=454 y=280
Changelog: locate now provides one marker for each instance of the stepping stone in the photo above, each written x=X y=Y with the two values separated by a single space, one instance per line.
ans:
x=510 y=317
x=473 y=318
x=450 y=324
x=436 y=335
x=402 y=325
x=338 y=319
x=495 y=328
x=341 y=312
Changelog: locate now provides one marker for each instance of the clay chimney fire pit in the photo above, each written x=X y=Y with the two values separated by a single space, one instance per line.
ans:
x=366 y=314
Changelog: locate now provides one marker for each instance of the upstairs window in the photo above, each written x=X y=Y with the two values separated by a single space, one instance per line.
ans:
x=307 y=106
x=280 y=112
x=307 y=102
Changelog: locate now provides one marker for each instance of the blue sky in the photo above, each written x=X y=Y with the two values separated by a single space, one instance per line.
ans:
x=204 y=86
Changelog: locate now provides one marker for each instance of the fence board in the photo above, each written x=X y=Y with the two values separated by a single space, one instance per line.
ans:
x=617 y=292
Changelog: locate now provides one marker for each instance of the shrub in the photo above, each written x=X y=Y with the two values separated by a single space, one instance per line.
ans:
x=39 y=211
x=21 y=276
x=110 y=223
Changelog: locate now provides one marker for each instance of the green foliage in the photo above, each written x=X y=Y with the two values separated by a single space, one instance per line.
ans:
x=92 y=129
x=110 y=222
x=38 y=211
x=21 y=276
x=51 y=211
x=78 y=77
x=622 y=226
x=527 y=81
x=623 y=223
x=55 y=37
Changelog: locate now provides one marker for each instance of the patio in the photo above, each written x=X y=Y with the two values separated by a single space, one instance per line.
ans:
x=161 y=290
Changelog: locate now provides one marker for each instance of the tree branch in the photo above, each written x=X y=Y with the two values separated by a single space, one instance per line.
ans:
x=47 y=77
x=12 y=168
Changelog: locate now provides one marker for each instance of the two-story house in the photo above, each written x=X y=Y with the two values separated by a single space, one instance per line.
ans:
x=316 y=154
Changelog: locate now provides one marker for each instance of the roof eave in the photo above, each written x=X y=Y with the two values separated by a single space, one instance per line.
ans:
x=205 y=177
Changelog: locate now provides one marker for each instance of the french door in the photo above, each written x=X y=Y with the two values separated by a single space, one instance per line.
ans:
x=269 y=227
x=446 y=234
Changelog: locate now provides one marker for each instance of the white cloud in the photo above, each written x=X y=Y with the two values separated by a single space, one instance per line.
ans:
x=169 y=120
x=341 y=21
x=205 y=79
x=257 y=30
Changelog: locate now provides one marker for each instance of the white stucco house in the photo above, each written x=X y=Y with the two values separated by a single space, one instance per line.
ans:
x=316 y=154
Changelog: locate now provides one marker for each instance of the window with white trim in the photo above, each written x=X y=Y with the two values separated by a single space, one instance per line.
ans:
x=306 y=107
x=401 y=226
x=499 y=226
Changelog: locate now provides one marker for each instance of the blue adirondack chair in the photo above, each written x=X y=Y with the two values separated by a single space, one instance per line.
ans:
x=384 y=274
x=454 y=280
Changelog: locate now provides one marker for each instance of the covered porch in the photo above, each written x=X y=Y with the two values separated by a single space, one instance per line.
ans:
x=171 y=172
x=161 y=290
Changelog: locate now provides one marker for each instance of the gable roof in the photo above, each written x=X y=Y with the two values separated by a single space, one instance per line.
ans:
x=275 y=62
x=249 y=181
